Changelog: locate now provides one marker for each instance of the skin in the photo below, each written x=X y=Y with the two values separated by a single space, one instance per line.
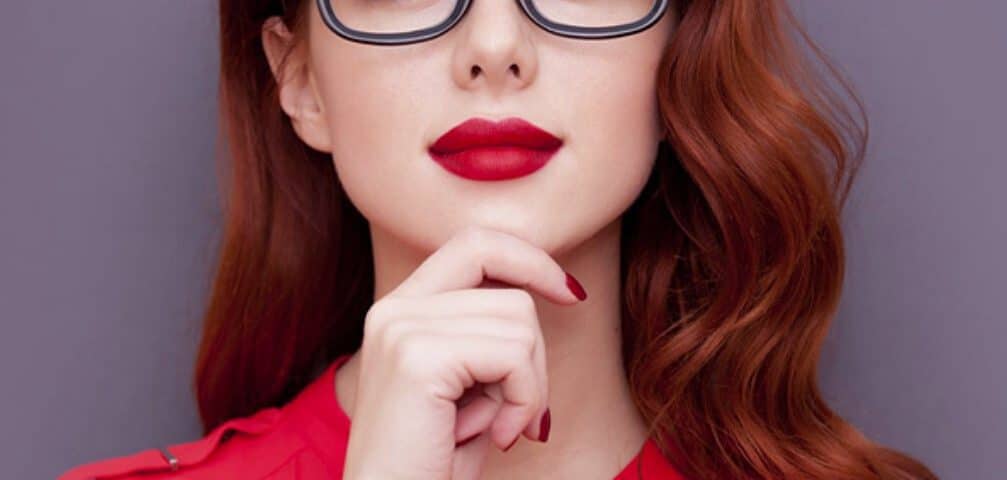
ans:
x=376 y=110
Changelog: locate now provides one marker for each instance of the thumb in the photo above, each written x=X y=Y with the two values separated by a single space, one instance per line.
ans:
x=471 y=425
x=467 y=461
x=477 y=410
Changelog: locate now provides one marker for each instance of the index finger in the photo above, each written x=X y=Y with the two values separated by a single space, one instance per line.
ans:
x=476 y=253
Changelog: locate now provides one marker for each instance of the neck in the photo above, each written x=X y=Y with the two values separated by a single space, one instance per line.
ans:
x=589 y=397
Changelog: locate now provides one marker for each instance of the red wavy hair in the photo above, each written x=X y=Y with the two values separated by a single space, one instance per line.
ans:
x=733 y=255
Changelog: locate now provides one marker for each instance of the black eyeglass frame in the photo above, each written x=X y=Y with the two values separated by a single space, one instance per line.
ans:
x=462 y=7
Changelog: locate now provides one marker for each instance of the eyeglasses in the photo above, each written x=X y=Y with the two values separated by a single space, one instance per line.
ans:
x=400 y=22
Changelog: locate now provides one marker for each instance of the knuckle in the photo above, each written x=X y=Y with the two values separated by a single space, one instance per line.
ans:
x=380 y=313
x=385 y=327
x=393 y=335
x=526 y=338
x=378 y=310
x=412 y=356
x=522 y=346
x=372 y=321
x=521 y=303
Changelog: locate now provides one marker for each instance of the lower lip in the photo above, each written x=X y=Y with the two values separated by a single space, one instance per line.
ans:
x=493 y=163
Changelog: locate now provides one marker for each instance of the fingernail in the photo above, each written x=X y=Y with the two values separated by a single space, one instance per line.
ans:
x=543 y=428
x=512 y=443
x=575 y=287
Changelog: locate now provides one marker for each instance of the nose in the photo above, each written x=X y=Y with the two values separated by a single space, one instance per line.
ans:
x=494 y=50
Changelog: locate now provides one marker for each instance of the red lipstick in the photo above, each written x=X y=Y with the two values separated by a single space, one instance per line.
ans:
x=480 y=149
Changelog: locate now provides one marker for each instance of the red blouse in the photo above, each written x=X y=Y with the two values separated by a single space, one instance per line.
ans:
x=305 y=439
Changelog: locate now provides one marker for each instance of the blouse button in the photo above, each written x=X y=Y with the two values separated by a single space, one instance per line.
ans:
x=168 y=457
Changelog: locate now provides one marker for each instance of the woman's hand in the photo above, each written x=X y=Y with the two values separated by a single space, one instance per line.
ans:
x=444 y=361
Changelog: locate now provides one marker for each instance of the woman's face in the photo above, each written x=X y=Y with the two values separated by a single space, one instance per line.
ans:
x=377 y=110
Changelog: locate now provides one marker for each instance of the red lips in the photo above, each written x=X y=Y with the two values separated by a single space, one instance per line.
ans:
x=480 y=149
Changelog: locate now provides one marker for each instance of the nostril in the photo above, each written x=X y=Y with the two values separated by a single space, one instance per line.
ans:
x=476 y=70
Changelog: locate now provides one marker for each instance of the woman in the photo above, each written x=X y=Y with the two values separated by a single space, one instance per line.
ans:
x=457 y=224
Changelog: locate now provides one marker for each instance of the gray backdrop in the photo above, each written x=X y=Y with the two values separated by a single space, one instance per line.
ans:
x=110 y=218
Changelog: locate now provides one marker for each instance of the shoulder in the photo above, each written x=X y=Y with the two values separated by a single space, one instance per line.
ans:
x=260 y=446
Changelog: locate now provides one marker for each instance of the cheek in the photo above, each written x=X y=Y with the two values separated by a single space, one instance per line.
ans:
x=368 y=104
x=614 y=119
x=613 y=88
x=375 y=121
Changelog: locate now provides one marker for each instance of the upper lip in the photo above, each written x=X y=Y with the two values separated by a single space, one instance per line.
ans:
x=480 y=132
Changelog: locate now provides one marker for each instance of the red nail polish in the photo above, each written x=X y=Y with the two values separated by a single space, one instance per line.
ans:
x=543 y=429
x=575 y=287
x=512 y=443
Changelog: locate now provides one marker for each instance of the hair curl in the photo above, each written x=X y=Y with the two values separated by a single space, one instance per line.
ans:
x=732 y=262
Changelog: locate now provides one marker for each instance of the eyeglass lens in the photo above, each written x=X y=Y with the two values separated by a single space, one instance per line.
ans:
x=402 y=16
